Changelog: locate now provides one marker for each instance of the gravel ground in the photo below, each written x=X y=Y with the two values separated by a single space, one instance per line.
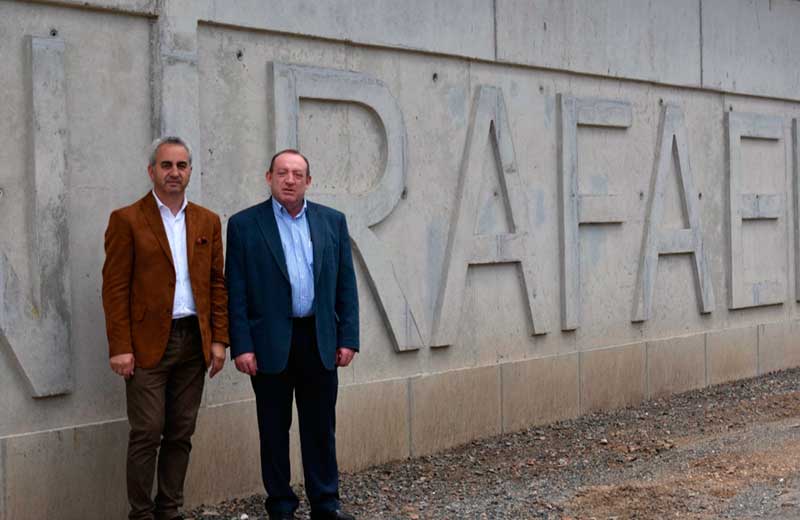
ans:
x=729 y=451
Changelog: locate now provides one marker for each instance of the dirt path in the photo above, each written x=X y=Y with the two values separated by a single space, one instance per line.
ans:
x=731 y=451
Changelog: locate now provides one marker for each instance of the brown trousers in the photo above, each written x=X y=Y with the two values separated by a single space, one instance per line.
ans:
x=162 y=411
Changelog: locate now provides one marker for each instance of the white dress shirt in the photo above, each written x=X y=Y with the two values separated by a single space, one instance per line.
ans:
x=175 y=227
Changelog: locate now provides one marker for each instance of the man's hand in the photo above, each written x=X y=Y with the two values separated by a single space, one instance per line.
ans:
x=344 y=356
x=217 y=358
x=246 y=363
x=123 y=364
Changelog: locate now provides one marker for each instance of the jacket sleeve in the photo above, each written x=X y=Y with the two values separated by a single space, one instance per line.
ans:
x=117 y=275
x=235 y=277
x=219 y=295
x=347 y=334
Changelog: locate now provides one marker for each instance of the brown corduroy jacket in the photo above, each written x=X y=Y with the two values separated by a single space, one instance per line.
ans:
x=139 y=280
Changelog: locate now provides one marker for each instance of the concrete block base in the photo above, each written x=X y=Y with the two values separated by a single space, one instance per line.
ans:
x=539 y=391
x=676 y=365
x=732 y=354
x=613 y=377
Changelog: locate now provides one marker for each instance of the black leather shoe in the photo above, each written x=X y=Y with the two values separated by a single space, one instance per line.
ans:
x=281 y=516
x=332 y=515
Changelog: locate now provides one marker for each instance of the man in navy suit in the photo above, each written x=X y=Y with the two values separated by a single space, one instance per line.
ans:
x=293 y=311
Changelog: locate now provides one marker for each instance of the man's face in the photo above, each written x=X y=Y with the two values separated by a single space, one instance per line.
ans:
x=289 y=180
x=170 y=174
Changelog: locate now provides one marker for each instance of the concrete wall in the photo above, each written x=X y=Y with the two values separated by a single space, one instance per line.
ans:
x=558 y=206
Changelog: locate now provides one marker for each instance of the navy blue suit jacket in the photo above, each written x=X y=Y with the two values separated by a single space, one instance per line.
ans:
x=260 y=295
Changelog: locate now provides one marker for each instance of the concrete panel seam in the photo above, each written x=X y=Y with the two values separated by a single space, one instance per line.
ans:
x=3 y=481
x=494 y=27
x=176 y=83
x=702 y=48
x=705 y=349
x=147 y=9
x=580 y=382
x=244 y=401
x=645 y=373
x=410 y=418
x=500 y=397
x=62 y=429
x=516 y=64
x=759 y=333
x=796 y=190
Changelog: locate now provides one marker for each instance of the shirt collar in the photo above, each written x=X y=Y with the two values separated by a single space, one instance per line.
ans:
x=162 y=205
x=279 y=210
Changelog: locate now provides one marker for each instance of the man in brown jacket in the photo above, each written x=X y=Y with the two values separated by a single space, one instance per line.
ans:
x=166 y=318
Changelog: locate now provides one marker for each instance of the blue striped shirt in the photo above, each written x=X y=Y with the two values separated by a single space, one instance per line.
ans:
x=297 y=249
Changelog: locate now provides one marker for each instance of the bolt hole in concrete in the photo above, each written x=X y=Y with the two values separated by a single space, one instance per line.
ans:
x=699 y=195
x=435 y=76
x=54 y=32
x=239 y=55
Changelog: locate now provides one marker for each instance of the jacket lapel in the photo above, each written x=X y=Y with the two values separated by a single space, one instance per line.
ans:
x=317 y=238
x=192 y=234
x=269 y=230
x=153 y=219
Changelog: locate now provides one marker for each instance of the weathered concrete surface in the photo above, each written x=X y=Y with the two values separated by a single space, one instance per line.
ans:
x=143 y=7
x=372 y=423
x=751 y=47
x=466 y=30
x=577 y=207
x=656 y=41
x=613 y=378
x=175 y=81
x=757 y=207
x=36 y=466
x=539 y=391
x=672 y=152
x=732 y=354
x=35 y=324
x=676 y=365
x=107 y=109
x=226 y=433
x=131 y=69
x=451 y=408
x=777 y=347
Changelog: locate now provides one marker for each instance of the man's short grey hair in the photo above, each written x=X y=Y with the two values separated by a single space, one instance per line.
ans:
x=169 y=139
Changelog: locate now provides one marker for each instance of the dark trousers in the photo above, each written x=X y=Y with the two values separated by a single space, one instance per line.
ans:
x=162 y=411
x=315 y=389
